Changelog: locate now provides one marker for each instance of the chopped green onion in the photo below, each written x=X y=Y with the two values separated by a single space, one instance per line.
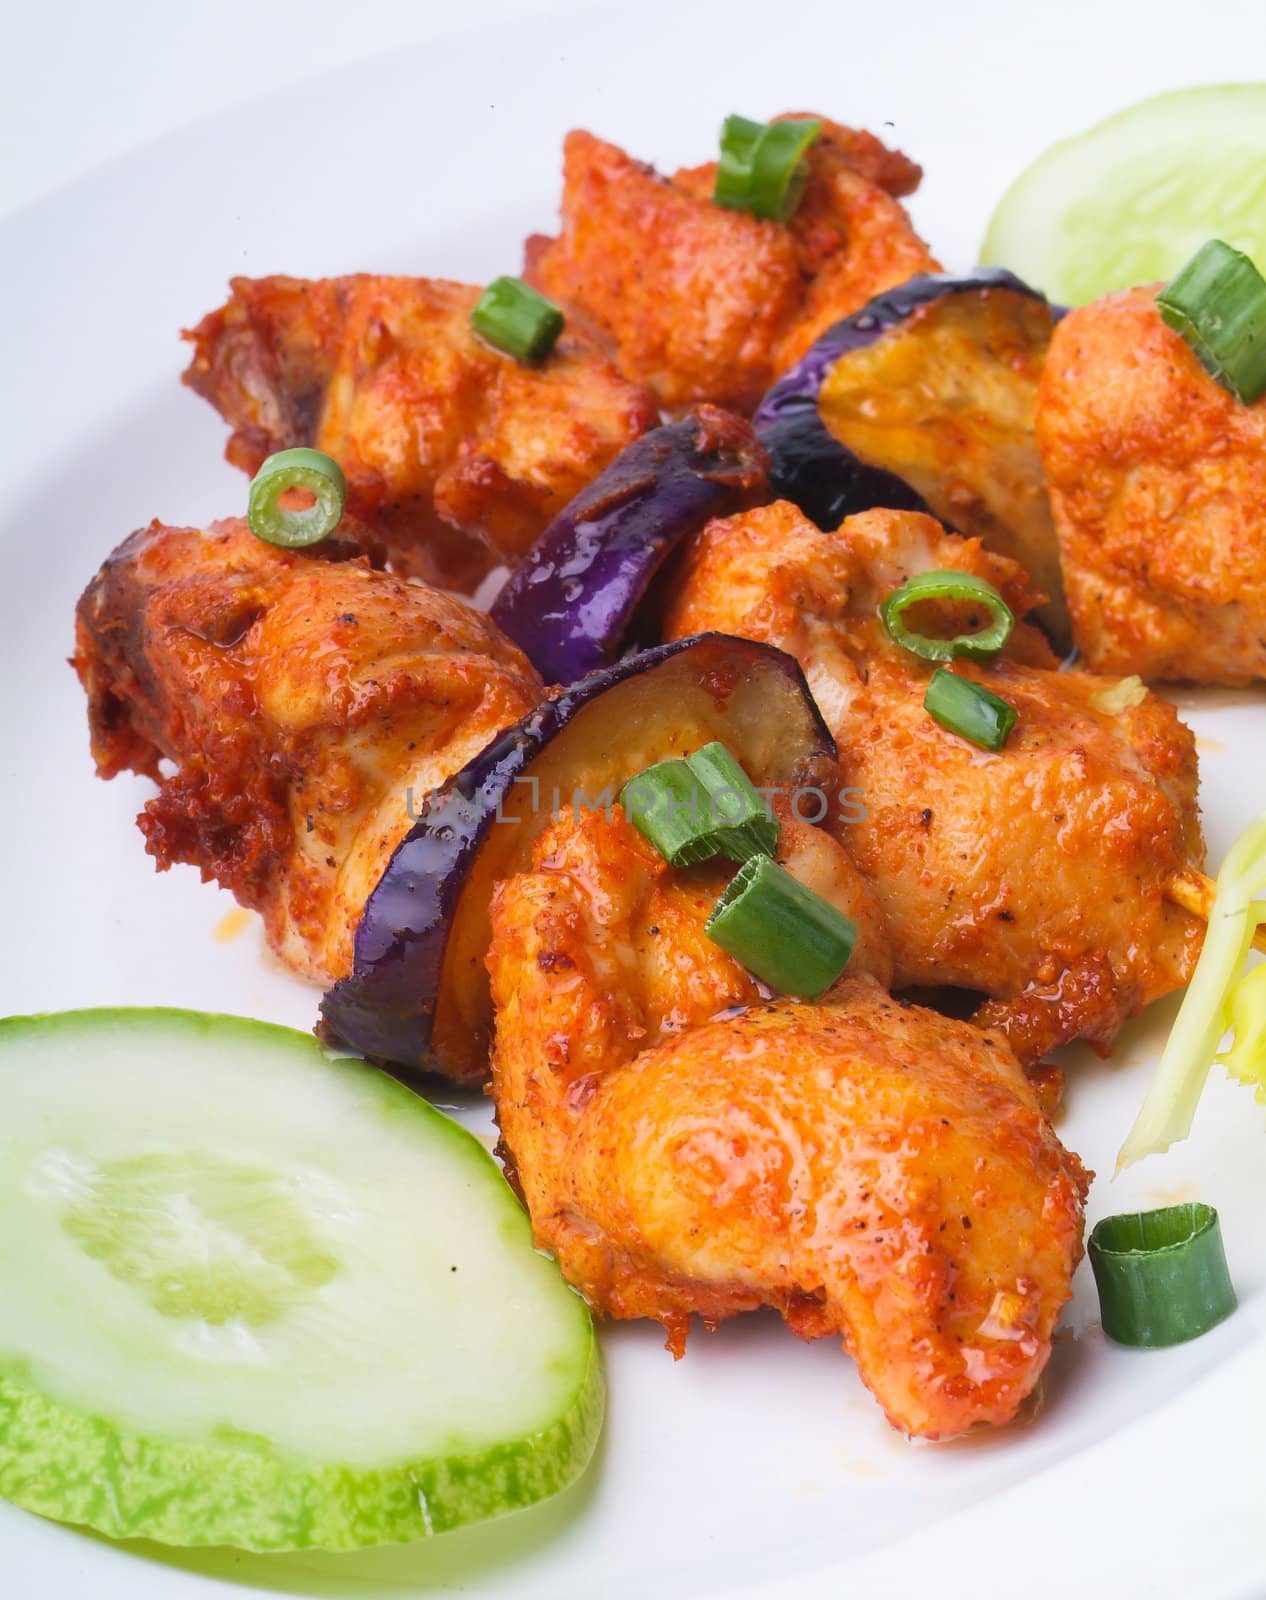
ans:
x=744 y=824
x=1218 y=304
x=668 y=805
x=788 y=936
x=965 y=708
x=307 y=470
x=779 y=170
x=703 y=806
x=516 y=319
x=739 y=138
x=1218 y=996
x=959 y=588
x=762 y=167
x=1162 y=1275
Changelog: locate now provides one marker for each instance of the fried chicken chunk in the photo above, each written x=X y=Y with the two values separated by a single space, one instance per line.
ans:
x=1036 y=875
x=456 y=454
x=701 y=303
x=1158 y=484
x=870 y=1170
x=299 y=698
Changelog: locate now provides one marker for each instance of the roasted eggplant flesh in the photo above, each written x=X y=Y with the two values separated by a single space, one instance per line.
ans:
x=946 y=400
x=418 y=996
x=924 y=401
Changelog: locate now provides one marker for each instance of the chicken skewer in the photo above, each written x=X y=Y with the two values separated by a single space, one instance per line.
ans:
x=456 y=455
x=700 y=303
x=292 y=784
x=1157 y=481
x=308 y=702
x=1043 y=874
x=687 y=1146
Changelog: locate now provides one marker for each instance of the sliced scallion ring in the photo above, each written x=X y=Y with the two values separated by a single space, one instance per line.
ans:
x=701 y=807
x=744 y=824
x=958 y=588
x=788 y=936
x=668 y=805
x=969 y=710
x=307 y=470
x=739 y=138
x=515 y=318
x=779 y=172
x=1162 y=1275
x=1218 y=304
x=762 y=167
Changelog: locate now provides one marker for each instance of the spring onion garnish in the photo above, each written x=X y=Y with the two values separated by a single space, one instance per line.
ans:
x=306 y=471
x=516 y=319
x=746 y=827
x=958 y=588
x=739 y=138
x=966 y=709
x=762 y=167
x=788 y=936
x=1161 y=1275
x=703 y=806
x=1218 y=304
x=1219 y=996
x=668 y=805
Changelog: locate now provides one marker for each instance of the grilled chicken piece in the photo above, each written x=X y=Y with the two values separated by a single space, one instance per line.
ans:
x=455 y=454
x=1158 y=484
x=870 y=1170
x=701 y=303
x=299 y=697
x=1038 y=875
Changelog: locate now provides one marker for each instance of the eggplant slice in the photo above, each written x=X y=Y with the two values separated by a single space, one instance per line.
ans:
x=418 y=996
x=569 y=604
x=924 y=401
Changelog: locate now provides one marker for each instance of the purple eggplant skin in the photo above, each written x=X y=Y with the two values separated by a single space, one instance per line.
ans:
x=417 y=999
x=810 y=467
x=569 y=604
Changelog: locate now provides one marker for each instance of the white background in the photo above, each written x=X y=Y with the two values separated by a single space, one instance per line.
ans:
x=82 y=81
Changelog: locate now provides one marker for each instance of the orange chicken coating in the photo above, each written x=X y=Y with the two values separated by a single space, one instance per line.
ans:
x=870 y=1170
x=456 y=454
x=300 y=696
x=701 y=303
x=1036 y=875
x=1158 y=485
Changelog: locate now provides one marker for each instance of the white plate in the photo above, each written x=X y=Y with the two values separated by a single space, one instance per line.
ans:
x=757 y=1465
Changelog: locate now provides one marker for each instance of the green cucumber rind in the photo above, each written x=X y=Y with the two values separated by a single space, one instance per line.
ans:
x=74 y=1466
x=250 y=1496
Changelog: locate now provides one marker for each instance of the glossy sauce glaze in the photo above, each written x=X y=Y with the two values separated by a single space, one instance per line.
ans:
x=687 y=1144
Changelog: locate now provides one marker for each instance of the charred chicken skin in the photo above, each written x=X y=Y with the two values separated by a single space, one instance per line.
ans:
x=872 y=1171
x=299 y=698
x=1036 y=875
x=700 y=303
x=455 y=454
x=1158 y=484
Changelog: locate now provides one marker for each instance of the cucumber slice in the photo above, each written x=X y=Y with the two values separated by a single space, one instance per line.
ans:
x=1134 y=198
x=255 y=1294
